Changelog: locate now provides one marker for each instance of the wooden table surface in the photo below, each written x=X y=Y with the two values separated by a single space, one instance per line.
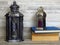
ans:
x=29 y=42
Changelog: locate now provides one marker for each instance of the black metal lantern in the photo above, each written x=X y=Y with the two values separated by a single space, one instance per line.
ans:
x=14 y=24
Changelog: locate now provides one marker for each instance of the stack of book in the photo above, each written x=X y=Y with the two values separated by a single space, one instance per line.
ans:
x=38 y=34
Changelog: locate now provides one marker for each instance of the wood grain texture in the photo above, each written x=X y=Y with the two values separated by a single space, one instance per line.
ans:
x=45 y=37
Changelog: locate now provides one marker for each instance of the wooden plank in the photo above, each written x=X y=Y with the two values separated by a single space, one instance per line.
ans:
x=45 y=37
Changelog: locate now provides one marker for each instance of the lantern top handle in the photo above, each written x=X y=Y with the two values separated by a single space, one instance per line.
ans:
x=14 y=5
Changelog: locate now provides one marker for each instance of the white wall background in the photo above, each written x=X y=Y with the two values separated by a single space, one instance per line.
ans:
x=29 y=8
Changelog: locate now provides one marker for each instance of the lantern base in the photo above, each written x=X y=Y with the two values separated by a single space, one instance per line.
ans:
x=15 y=40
